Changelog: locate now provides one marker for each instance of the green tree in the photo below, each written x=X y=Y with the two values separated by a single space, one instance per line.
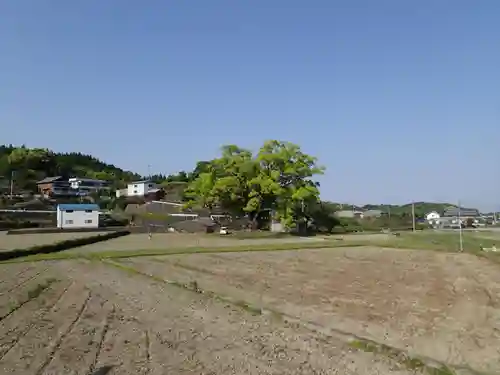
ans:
x=288 y=173
x=278 y=178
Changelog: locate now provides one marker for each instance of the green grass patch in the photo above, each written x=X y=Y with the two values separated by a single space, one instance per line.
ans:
x=112 y=254
x=32 y=293
x=411 y=363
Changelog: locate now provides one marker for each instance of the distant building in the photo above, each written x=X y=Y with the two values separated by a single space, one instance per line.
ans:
x=432 y=216
x=73 y=216
x=453 y=211
x=55 y=187
x=349 y=214
x=141 y=188
x=85 y=186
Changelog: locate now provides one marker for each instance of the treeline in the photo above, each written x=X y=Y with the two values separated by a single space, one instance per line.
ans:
x=28 y=165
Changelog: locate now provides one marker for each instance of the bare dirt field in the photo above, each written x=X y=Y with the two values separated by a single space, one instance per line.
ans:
x=24 y=241
x=76 y=317
x=178 y=240
x=438 y=305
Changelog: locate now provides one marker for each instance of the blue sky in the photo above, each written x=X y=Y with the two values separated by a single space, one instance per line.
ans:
x=398 y=99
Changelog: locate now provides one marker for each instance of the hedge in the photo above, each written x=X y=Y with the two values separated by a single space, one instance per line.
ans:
x=60 y=246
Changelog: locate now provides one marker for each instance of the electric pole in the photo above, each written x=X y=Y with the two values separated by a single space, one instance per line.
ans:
x=413 y=214
x=11 y=184
x=460 y=228
x=389 y=217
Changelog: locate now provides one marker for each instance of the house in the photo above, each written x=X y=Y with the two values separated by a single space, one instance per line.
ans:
x=54 y=187
x=143 y=190
x=85 y=186
x=72 y=216
x=432 y=216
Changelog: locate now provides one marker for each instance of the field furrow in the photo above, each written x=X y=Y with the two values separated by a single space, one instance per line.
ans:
x=33 y=351
x=77 y=349
x=19 y=324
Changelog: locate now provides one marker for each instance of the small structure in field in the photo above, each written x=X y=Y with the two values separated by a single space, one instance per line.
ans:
x=72 y=216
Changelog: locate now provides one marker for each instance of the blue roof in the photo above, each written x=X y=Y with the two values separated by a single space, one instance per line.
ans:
x=78 y=207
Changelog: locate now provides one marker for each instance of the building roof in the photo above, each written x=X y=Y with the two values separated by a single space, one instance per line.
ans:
x=85 y=179
x=48 y=180
x=78 y=206
x=140 y=182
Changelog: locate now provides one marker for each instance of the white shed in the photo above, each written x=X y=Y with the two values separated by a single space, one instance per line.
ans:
x=71 y=216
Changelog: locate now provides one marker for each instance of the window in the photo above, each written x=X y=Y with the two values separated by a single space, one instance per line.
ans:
x=135 y=186
x=88 y=211
x=135 y=191
x=150 y=186
x=69 y=211
x=88 y=221
x=68 y=222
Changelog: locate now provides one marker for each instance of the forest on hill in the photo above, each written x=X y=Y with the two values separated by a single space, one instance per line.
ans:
x=26 y=166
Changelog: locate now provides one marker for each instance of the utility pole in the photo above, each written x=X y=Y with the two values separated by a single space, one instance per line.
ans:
x=460 y=228
x=11 y=184
x=389 y=217
x=413 y=215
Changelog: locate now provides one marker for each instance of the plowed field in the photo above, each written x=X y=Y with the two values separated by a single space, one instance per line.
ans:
x=303 y=312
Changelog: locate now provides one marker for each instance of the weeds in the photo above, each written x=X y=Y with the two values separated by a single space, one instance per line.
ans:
x=32 y=293
x=411 y=363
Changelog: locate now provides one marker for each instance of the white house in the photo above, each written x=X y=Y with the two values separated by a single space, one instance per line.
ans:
x=71 y=216
x=141 y=188
x=432 y=216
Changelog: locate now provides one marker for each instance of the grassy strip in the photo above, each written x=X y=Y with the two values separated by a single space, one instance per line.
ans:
x=444 y=242
x=59 y=246
x=436 y=241
x=421 y=365
x=32 y=294
x=112 y=254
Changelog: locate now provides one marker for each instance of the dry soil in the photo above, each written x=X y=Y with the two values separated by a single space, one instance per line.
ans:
x=180 y=240
x=75 y=317
x=438 y=305
x=78 y=316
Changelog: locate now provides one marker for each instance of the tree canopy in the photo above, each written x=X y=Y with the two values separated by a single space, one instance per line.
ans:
x=279 y=178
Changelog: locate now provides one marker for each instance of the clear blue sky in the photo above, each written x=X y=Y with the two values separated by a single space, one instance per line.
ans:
x=398 y=99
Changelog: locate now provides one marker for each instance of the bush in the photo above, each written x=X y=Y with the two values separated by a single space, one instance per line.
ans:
x=60 y=246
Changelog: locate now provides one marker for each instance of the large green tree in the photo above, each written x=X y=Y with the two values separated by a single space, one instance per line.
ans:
x=278 y=178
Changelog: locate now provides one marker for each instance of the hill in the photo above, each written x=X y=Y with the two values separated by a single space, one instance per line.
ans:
x=29 y=165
